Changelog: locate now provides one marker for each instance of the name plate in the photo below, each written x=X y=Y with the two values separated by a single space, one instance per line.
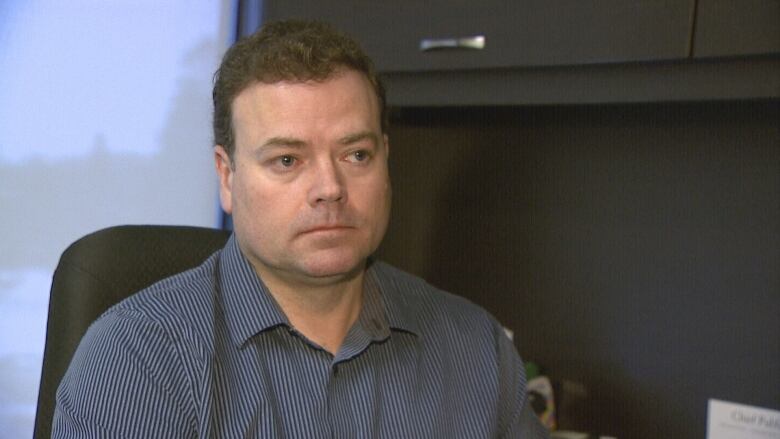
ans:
x=728 y=420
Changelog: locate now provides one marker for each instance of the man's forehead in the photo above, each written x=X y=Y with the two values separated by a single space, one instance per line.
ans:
x=346 y=88
x=305 y=80
x=299 y=112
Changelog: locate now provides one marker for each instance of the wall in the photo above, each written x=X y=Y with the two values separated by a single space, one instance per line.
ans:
x=632 y=248
x=104 y=120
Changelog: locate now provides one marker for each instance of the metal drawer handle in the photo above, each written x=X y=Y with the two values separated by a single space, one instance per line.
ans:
x=476 y=42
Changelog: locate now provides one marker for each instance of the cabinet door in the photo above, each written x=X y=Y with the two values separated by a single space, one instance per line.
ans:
x=737 y=27
x=517 y=32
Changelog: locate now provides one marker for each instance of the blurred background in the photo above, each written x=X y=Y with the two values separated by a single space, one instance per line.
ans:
x=604 y=177
x=105 y=111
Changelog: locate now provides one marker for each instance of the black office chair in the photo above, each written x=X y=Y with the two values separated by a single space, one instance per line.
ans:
x=100 y=270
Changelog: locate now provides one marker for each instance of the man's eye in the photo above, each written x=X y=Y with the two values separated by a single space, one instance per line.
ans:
x=358 y=156
x=286 y=160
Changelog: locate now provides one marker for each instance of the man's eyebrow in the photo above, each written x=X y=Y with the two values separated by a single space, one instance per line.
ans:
x=357 y=137
x=283 y=142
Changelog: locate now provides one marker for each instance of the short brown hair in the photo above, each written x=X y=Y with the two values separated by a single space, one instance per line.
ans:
x=290 y=50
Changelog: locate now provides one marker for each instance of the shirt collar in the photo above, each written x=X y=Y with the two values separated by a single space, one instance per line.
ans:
x=401 y=315
x=250 y=309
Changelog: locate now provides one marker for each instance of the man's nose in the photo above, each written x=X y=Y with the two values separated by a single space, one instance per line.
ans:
x=328 y=184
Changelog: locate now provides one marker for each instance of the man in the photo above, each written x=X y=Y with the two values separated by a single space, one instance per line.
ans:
x=292 y=330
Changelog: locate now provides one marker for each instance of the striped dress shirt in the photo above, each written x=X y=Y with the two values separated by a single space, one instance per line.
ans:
x=209 y=354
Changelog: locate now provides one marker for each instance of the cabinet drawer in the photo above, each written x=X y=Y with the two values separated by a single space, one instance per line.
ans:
x=737 y=27
x=517 y=33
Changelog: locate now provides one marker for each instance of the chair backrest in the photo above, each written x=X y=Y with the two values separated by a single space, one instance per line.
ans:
x=100 y=270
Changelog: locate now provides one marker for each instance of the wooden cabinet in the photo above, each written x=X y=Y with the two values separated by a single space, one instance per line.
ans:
x=517 y=33
x=737 y=28
x=540 y=52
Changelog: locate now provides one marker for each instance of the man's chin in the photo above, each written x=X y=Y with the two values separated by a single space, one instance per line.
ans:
x=333 y=267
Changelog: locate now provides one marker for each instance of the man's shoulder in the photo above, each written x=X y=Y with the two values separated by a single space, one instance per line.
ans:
x=183 y=299
x=417 y=290
x=148 y=348
x=431 y=306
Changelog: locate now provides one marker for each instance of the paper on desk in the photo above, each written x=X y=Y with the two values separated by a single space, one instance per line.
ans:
x=728 y=420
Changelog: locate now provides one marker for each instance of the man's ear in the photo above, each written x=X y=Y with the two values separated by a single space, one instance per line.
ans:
x=224 y=166
x=387 y=144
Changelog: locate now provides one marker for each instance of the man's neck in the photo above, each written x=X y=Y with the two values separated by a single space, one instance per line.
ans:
x=323 y=313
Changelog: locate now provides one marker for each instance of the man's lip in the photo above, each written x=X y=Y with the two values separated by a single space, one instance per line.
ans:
x=326 y=228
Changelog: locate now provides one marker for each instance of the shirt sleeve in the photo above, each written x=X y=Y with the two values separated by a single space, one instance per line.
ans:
x=126 y=379
x=517 y=419
x=527 y=425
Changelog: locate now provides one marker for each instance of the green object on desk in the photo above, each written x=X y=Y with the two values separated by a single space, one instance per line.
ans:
x=531 y=370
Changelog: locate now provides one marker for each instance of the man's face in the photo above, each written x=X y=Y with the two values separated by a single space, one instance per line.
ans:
x=308 y=187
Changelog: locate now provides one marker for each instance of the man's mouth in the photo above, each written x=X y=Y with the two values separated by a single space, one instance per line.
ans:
x=327 y=228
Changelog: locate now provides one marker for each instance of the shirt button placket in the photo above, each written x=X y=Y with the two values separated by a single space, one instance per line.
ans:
x=338 y=409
